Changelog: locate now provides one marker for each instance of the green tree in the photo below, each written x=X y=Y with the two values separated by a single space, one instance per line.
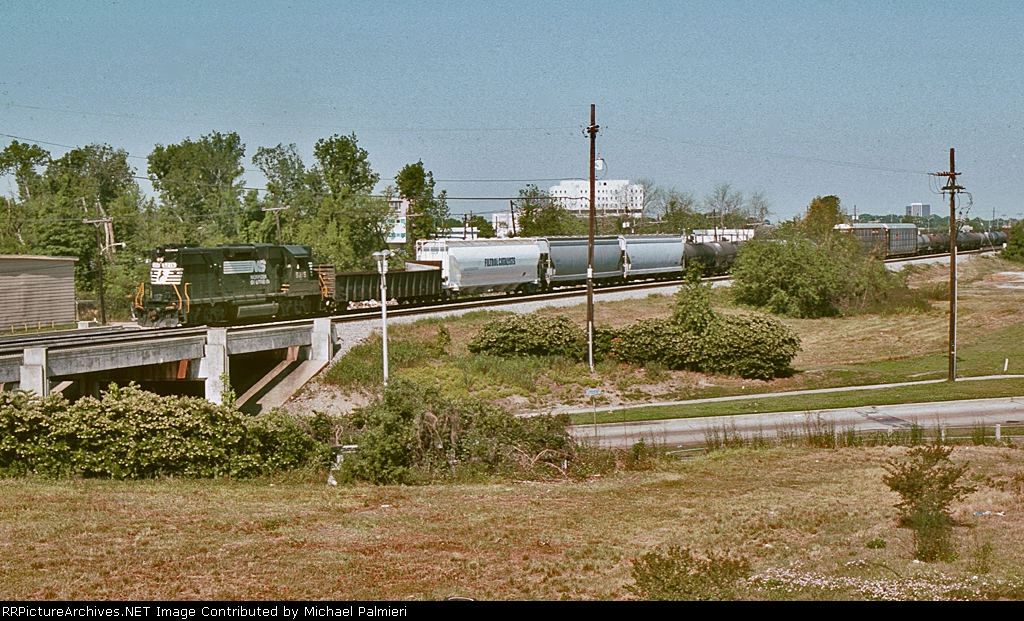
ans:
x=822 y=215
x=680 y=215
x=484 y=228
x=540 y=215
x=1014 y=250
x=429 y=212
x=22 y=159
x=344 y=166
x=200 y=185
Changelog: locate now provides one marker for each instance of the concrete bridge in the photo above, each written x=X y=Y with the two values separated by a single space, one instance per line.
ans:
x=265 y=364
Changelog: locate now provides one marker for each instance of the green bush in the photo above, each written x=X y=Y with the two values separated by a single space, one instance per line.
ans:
x=413 y=434
x=1014 y=250
x=131 y=434
x=680 y=574
x=695 y=338
x=928 y=483
x=797 y=277
x=531 y=335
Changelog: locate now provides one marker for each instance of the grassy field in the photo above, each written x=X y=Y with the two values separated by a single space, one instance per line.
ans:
x=982 y=389
x=845 y=351
x=802 y=517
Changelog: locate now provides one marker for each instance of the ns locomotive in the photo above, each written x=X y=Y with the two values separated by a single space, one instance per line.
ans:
x=225 y=285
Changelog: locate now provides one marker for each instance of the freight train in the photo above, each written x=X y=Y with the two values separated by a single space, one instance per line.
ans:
x=902 y=240
x=224 y=285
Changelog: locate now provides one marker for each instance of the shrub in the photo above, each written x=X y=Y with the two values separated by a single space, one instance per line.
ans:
x=413 y=434
x=752 y=346
x=679 y=574
x=130 y=434
x=531 y=335
x=1014 y=250
x=928 y=483
x=797 y=277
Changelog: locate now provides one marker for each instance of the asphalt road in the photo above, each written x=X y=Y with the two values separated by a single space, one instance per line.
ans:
x=690 y=432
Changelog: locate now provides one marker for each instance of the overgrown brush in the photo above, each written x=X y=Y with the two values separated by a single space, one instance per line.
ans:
x=681 y=574
x=696 y=338
x=531 y=335
x=413 y=434
x=129 y=433
x=928 y=483
x=796 y=276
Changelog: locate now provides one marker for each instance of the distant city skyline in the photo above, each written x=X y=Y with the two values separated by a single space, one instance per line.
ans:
x=795 y=99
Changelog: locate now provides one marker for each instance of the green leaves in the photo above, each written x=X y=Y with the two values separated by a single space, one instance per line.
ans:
x=794 y=276
x=531 y=335
x=133 y=434
x=696 y=338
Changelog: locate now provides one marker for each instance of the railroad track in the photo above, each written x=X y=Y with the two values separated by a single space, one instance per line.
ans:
x=69 y=339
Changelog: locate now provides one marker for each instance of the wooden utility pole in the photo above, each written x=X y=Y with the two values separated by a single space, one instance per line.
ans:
x=954 y=230
x=592 y=131
x=98 y=222
x=277 y=217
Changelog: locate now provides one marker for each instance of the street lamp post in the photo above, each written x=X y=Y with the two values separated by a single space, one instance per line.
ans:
x=382 y=266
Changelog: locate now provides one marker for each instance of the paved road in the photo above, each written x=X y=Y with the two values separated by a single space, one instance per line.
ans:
x=685 y=432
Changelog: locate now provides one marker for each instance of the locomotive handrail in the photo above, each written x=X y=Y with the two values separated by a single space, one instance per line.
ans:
x=140 y=294
x=188 y=300
x=181 y=304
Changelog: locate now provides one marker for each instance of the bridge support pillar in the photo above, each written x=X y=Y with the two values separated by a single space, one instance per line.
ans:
x=322 y=341
x=33 y=372
x=214 y=367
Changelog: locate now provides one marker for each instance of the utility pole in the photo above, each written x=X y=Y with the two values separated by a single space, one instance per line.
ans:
x=277 y=217
x=592 y=131
x=98 y=222
x=512 y=212
x=954 y=230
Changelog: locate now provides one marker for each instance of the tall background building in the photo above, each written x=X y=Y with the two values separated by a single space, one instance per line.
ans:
x=612 y=197
x=919 y=209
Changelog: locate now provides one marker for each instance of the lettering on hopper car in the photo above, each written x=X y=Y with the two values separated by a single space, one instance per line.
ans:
x=503 y=261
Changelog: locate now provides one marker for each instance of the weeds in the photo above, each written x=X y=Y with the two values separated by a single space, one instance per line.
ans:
x=680 y=574
x=928 y=483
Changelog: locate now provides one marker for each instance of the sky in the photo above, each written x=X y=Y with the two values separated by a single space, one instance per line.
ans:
x=795 y=99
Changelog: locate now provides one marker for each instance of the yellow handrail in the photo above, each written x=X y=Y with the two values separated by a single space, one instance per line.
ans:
x=141 y=293
x=324 y=293
x=178 y=293
x=188 y=301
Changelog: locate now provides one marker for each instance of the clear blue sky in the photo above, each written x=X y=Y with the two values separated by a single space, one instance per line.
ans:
x=760 y=94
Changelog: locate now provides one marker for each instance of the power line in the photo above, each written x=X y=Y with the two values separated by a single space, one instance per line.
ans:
x=295 y=125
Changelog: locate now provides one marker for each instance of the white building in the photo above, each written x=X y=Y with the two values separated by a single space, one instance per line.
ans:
x=612 y=197
x=400 y=214
x=505 y=224
x=919 y=209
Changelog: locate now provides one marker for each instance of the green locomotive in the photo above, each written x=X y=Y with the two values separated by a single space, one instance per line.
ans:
x=227 y=284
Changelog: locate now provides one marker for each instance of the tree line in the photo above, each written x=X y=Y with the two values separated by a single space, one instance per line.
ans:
x=665 y=210
x=201 y=199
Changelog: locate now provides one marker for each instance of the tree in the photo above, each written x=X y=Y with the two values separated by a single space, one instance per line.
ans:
x=429 y=212
x=540 y=215
x=198 y=180
x=679 y=214
x=1014 y=250
x=483 y=227
x=822 y=215
x=21 y=160
x=344 y=166
x=758 y=207
x=725 y=206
